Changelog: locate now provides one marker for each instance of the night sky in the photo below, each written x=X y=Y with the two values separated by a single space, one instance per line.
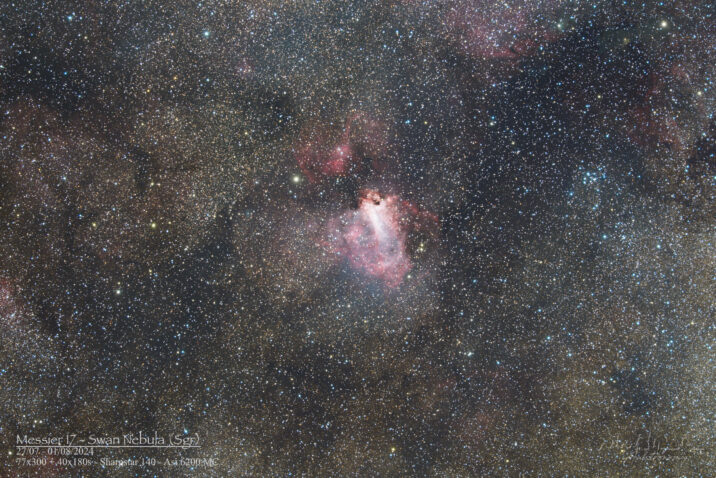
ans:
x=448 y=238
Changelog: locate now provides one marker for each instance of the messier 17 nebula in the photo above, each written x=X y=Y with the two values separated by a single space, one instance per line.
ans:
x=373 y=238
x=437 y=238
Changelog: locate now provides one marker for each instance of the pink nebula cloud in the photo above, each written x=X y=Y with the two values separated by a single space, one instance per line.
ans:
x=372 y=238
x=324 y=151
x=497 y=30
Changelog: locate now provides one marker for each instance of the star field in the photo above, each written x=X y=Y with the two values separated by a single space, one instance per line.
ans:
x=441 y=238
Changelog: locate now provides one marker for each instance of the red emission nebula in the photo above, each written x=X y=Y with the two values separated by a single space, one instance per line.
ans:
x=322 y=152
x=373 y=237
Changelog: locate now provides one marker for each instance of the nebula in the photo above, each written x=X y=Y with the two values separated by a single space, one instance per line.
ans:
x=323 y=151
x=373 y=238
x=398 y=238
x=320 y=154
x=490 y=30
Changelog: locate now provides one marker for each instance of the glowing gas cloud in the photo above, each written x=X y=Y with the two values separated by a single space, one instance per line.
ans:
x=373 y=238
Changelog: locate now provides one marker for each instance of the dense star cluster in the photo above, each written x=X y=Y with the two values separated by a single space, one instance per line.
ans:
x=400 y=238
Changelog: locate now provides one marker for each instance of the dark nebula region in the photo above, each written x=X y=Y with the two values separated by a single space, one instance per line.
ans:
x=445 y=238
